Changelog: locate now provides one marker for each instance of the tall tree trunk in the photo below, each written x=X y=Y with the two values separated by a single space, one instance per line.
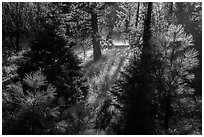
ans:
x=146 y=73
x=95 y=36
x=129 y=25
x=137 y=15
x=140 y=118
x=146 y=50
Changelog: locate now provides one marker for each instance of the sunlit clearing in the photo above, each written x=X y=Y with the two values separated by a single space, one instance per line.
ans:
x=120 y=42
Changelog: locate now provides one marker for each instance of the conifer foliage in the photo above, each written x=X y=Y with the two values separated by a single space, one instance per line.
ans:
x=145 y=87
x=51 y=53
x=27 y=105
x=176 y=58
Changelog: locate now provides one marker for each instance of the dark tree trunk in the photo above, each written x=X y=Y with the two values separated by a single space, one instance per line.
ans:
x=146 y=50
x=140 y=113
x=147 y=79
x=146 y=73
x=95 y=36
x=137 y=15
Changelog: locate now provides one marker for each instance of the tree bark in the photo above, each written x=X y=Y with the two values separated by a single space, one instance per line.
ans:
x=137 y=15
x=95 y=36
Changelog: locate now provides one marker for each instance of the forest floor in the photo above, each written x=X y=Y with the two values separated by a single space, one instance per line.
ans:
x=102 y=73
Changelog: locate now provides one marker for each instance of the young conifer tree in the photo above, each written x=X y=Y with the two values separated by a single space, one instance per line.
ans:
x=50 y=51
x=176 y=58
x=27 y=106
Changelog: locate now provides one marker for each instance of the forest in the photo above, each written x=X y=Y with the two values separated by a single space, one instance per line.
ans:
x=102 y=68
